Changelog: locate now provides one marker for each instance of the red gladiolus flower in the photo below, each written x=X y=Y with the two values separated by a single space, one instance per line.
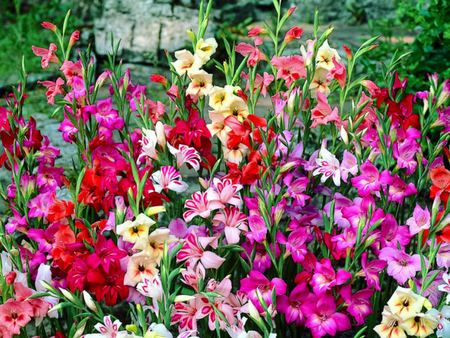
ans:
x=108 y=286
x=61 y=254
x=60 y=209
x=106 y=253
x=441 y=184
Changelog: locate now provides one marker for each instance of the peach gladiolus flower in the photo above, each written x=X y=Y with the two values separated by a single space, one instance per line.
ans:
x=201 y=84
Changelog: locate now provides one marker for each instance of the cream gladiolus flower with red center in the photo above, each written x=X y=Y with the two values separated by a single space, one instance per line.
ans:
x=325 y=55
x=187 y=62
x=391 y=325
x=201 y=84
x=320 y=83
x=405 y=303
x=220 y=98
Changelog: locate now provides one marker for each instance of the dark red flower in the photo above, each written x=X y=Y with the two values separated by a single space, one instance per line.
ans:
x=106 y=253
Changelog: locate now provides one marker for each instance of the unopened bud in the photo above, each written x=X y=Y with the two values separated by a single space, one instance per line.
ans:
x=155 y=210
x=131 y=328
x=11 y=277
x=15 y=252
x=67 y=294
x=89 y=301
x=74 y=38
x=344 y=135
x=183 y=298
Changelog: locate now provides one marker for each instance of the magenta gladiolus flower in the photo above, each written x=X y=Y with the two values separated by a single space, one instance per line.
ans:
x=295 y=244
x=40 y=204
x=398 y=190
x=262 y=260
x=404 y=154
x=45 y=238
x=369 y=181
x=257 y=281
x=359 y=305
x=420 y=220
x=296 y=189
x=105 y=114
x=371 y=271
x=401 y=266
x=258 y=229
x=325 y=278
x=323 y=318
x=48 y=178
x=392 y=233
x=292 y=306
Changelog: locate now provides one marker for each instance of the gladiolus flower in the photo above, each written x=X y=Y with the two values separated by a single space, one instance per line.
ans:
x=292 y=34
x=74 y=37
x=48 y=55
x=137 y=229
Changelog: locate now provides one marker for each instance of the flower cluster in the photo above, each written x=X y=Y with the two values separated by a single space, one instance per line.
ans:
x=203 y=214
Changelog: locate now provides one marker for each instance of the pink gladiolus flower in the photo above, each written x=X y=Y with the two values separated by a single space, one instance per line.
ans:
x=371 y=271
x=325 y=278
x=47 y=153
x=404 y=154
x=323 y=318
x=292 y=306
x=257 y=281
x=186 y=315
x=296 y=189
x=234 y=222
x=188 y=155
x=14 y=315
x=105 y=115
x=54 y=88
x=345 y=240
x=48 y=55
x=72 y=70
x=392 y=233
x=202 y=204
x=349 y=165
x=401 y=266
x=227 y=191
x=49 y=25
x=262 y=261
x=322 y=113
x=45 y=238
x=67 y=129
x=359 y=305
x=193 y=252
x=289 y=68
x=398 y=190
x=295 y=244
x=420 y=220
x=258 y=229
x=49 y=178
x=40 y=204
x=168 y=179
x=369 y=181
x=150 y=287
x=260 y=82
x=255 y=54
x=292 y=34
x=257 y=31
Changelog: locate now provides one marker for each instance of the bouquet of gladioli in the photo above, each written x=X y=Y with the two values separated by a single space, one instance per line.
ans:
x=325 y=213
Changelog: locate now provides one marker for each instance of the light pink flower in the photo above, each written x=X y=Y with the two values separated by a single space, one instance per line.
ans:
x=255 y=53
x=401 y=266
x=349 y=165
x=227 y=191
x=398 y=190
x=420 y=220
x=54 y=88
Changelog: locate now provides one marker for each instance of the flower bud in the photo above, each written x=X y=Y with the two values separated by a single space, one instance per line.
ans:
x=290 y=11
x=159 y=79
x=183 y=298
x=78 y=333
x=254 y=313
x=191 y=35
x=89 y=301
x=131 y=328
x=48 y=25
x=74 y=38
x=155 y=210
x=67 y=294
x=15 y=252
x=344 y=135
x=11 y=277
x=348 y=52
